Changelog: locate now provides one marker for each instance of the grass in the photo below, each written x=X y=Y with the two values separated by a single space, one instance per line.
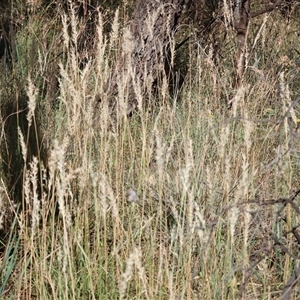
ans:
x=210 y=219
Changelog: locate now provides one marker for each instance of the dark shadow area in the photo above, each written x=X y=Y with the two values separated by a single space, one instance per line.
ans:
x=14 y=116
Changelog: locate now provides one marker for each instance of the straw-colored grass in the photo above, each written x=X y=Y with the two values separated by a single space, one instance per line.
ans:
x=170 y=203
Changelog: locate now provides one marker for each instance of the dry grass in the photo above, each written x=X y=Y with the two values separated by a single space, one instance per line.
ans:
x=171 y=203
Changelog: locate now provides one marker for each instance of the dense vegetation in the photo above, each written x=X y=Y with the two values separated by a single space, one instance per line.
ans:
x=182 y=187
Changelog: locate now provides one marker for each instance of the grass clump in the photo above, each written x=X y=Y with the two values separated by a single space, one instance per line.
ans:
x=184 y=199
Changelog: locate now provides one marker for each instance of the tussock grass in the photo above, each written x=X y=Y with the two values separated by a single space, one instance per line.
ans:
x=170 y=203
